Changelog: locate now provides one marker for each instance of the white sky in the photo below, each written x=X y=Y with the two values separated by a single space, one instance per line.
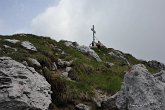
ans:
x=132 y=26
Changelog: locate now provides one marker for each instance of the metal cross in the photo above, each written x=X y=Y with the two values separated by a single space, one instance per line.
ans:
x=94 y=32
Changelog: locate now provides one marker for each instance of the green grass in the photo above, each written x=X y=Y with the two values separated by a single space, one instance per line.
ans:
x=87 y=73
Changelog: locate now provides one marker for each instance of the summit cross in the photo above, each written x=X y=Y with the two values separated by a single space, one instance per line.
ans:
x=94 y=32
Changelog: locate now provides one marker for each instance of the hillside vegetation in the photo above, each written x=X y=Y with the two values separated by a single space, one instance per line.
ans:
x=86 y=75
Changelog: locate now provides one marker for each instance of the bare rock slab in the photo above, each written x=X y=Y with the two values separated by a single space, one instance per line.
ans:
x=20 y=83
x=140 y=91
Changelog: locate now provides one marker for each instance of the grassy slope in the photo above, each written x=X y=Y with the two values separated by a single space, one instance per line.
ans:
x=87 y=73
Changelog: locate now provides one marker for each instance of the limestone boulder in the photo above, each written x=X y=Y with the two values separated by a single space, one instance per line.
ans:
x=22 y=87
x=140 y=91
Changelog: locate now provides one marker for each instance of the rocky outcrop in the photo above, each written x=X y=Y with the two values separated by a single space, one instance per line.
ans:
x=156 y=64
x=84 y=49
x=117 y=54
x=28 y=45
x=22 y=87
x=140 y=91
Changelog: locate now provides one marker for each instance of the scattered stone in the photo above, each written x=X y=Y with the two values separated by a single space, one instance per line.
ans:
x=64 y=64
x=54 y=66
x=140 y=91
x=21 y=87
x=119 y=55
x=89 y=51
x=65 y=74
x=81 y=106
x=67 y=69
x=68 y=43
x=6 y=46
x=110 y=103
x=13 y=41
x=34 y=62
x=100 y=97
x=22 y=34
x=156 y=64
x=109 y=64
x=28 y=45
x=62 y=52
x=25 y=63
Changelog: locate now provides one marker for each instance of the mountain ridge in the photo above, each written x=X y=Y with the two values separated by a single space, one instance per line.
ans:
x=76 y=73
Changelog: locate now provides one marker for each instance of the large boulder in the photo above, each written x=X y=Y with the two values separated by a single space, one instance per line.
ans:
x=21 y=87
x=140 y=91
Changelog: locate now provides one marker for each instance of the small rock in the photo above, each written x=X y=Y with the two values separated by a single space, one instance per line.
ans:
x=6 y=46
x=81 y=106
x=100 y=97
x=54 y=66
x=64 y=64
x=62 y=52
x=109 y=64
x=119 y=55
x=90 y=52
x=34 y=62
x=68 y=43
x=13 y=41
x=28 y=45
x=68 y=69
x=65 y=74
x=25 y=63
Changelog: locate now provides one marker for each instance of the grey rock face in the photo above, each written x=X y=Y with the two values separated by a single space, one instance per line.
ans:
x=81 y=106
x=84 y=49
x=156 y=64
x=141 y=90
x=28 y=45
x=19 y=83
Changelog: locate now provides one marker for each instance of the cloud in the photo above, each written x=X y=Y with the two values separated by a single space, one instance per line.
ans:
x=130 y=26
x=70 y=20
